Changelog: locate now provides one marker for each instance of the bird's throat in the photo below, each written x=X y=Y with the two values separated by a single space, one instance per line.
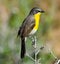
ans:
x=37 y=20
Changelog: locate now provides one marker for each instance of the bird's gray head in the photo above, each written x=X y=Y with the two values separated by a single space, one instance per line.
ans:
x=36 y=10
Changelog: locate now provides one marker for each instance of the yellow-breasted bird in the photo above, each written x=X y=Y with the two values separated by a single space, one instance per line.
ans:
x=29 y=27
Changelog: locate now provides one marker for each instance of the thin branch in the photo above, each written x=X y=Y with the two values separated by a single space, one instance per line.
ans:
x=30 y=57
x=52 y=53
x=58 y=62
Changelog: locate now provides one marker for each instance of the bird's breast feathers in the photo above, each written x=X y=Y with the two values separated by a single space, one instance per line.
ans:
x=37 y=19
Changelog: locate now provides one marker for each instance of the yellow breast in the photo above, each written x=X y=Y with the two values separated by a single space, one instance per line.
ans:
x=37 y=20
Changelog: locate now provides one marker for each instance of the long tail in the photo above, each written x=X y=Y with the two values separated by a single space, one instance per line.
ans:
x=23 y=50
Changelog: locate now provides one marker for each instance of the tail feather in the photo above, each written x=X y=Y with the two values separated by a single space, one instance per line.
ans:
x=23 y=50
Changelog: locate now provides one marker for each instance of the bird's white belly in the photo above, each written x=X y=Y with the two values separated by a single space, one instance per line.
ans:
x=32 y=32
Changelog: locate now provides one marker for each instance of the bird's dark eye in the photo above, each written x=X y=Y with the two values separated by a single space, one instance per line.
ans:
x=36 y=11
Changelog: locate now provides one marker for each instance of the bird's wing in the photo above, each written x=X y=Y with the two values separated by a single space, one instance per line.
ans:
x=26 y=26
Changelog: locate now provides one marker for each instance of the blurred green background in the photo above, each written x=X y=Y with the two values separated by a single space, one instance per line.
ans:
x=12 y=14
